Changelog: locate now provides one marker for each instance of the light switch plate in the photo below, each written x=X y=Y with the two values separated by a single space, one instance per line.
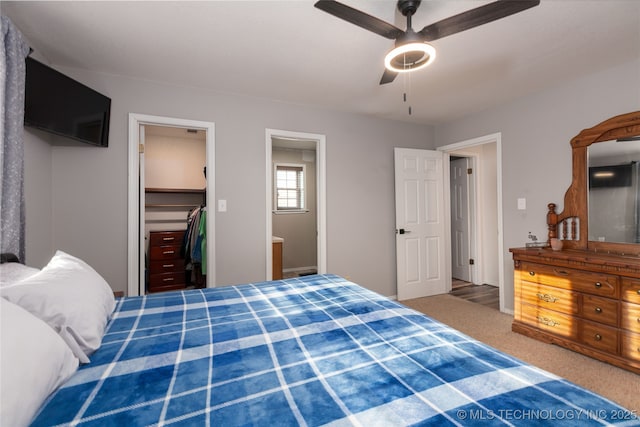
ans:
x=522 y=204
x=222 y=205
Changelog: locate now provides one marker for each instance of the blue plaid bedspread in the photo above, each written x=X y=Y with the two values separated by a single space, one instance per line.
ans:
x=317 y=350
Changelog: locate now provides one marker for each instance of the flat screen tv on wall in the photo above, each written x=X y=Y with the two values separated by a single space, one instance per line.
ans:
x=60 y=105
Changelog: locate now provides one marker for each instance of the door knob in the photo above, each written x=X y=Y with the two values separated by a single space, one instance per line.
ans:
x=402 y=231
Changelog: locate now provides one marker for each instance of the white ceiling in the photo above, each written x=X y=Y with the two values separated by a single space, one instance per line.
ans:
x=293 y=52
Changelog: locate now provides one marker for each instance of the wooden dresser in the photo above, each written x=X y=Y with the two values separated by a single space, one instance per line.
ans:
x=166 y=266
x=584 y=301
x=585 y=295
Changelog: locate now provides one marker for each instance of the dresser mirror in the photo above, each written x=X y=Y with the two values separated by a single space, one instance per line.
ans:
x=613 y=181
x=607 y=227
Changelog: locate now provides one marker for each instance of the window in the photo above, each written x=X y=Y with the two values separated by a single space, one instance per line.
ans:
x=289 y=187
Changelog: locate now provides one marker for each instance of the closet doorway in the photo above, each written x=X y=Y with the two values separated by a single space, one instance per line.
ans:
x=296 y=216
x=168 y=194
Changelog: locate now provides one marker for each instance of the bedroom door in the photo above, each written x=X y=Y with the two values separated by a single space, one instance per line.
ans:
x=420 y=223
x=460 y=221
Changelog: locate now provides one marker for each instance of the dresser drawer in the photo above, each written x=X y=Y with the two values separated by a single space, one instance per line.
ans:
x=550 y=321
x=631 y=346
x=166 y=279
x=166 y=266
x=548 y=297
x=599 y=336
x=160 y=238
x=631 y=290
x=630 y=317
x=600 y=284
x=164 y=252
x=600 y=309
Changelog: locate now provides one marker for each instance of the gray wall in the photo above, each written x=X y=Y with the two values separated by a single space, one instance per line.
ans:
x=536 y=154
x=87 y=186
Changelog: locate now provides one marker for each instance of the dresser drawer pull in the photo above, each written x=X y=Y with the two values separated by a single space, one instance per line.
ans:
x=547 y=321
x=598 y=285
x=598 y=310
x=562 y=272
x=546 y=297
x=168 y=265
x=168 y=252
x=168 y=239
x=533 y=273
x=638 y=292
x=168 y=279
x=598 y=337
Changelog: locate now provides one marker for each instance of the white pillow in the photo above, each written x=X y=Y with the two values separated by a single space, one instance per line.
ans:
x=71 y=297
x=34 y=362
x=13 y=272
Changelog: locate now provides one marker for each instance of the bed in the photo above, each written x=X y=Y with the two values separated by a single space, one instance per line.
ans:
x=315 y=350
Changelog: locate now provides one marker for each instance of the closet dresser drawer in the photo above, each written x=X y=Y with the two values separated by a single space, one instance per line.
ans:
x=579 y=300
x=166 y=265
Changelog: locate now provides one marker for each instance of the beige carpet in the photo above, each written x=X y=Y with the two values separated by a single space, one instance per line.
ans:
x=494 y=328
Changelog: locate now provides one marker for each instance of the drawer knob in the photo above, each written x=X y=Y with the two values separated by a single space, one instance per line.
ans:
x=598 y=310
x=533 y=273
x=168 y=239
x=638 y=291
x=167 y=265
x=598 y=285
x=169 y=252
x=168 y=279
x=598 y=337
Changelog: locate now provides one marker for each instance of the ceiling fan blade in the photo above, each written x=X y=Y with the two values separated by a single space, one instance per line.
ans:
x=388 y=76
x=359 y=18
x=474 y=18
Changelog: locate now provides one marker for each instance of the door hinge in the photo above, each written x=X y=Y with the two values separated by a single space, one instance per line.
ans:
x=471 y=261
x=469 y=171
x=141 y=148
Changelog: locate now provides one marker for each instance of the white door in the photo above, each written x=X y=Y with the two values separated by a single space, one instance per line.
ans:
x=420 y=223
x=459 y=185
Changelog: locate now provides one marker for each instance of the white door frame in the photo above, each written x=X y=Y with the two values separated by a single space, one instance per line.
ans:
x=135 y=233
x=321 y=196
x=487 y=139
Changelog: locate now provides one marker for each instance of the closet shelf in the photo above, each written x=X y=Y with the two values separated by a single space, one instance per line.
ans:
x=175 y=190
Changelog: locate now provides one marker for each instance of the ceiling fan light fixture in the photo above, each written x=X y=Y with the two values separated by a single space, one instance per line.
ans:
x=410 y=57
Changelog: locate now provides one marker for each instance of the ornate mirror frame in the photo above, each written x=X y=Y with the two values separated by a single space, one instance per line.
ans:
x=571 y=225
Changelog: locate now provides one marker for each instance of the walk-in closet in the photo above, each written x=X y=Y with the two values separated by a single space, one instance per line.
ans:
x=175 y=208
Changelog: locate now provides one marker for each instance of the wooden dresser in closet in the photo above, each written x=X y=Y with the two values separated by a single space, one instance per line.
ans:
x=166 y=266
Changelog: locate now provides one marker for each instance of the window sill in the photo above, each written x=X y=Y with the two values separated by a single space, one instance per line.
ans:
x=291 y=211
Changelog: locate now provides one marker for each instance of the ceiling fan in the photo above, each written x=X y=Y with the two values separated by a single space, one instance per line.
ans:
x=412 y=50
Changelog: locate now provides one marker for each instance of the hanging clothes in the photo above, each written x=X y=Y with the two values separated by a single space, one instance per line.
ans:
x=194 y=246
